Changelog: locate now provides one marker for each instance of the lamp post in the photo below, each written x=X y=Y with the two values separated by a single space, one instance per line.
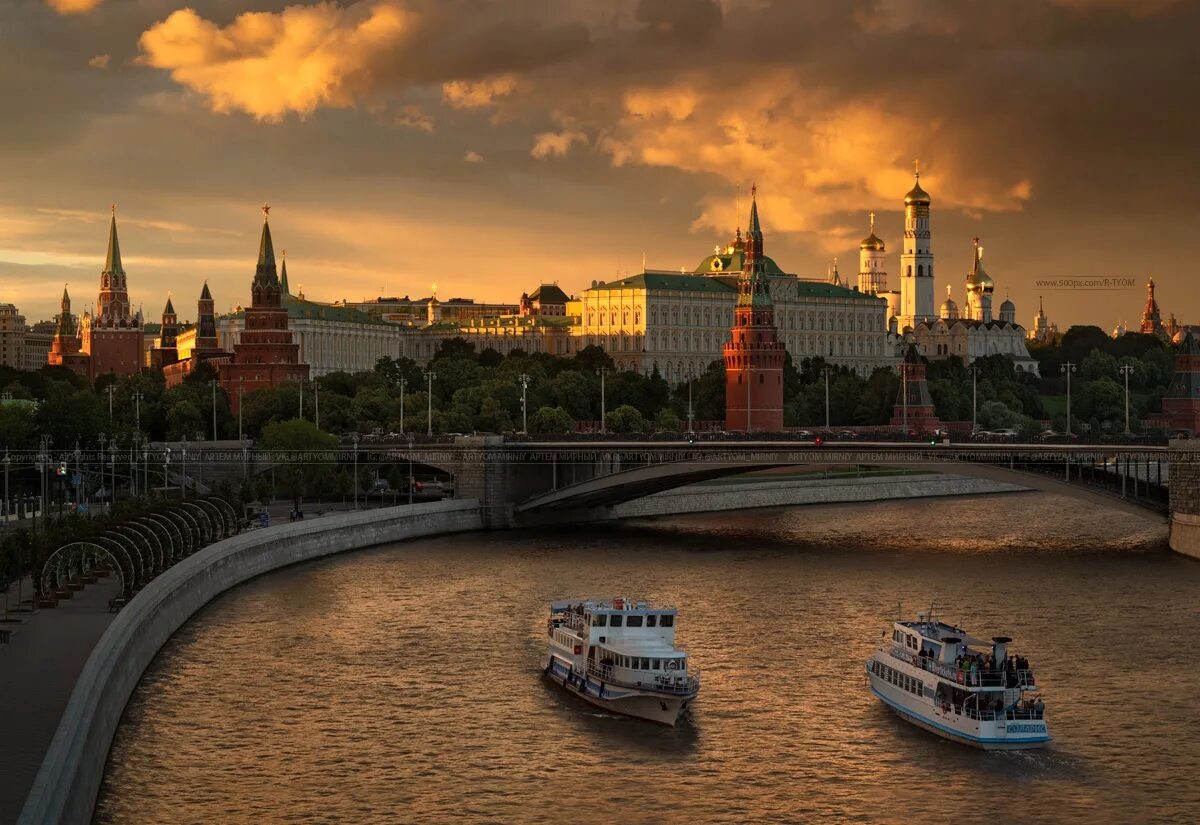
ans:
x=213 y=385
x=137 y=411
x=429 y=376
x=827 y=370
x=102 y=440
x=410 y=474
x=317 y=404
x=974 y=397
x=904 y=395
x=7 y=464
x=112 y=466
x=602 y=371
x=403 y=385
x=133 y=468
x=524 y=407
x=354 y=441
x=43 y=465
x=146 y=465
x=166 y=461
x=749 y=381
x=691 y=376
x=1066 y=369
x=183 y=470
x=1126 y=370
x=77 y=477
x=241 y=388
x=111 y=391
x=301 y=399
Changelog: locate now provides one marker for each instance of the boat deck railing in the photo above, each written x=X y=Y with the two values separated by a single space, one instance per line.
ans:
x=573 y=621
x=681 y=685
x=968 y=678
x=1012 y=713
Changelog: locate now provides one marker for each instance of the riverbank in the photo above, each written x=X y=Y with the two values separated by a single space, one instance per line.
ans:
x=836 y=488
x=64 y=790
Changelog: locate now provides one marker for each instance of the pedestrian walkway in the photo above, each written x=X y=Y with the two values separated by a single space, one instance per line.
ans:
x=38 y=669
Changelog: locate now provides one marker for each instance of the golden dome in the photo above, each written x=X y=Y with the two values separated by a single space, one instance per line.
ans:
x=873 y=242
x=917 y=196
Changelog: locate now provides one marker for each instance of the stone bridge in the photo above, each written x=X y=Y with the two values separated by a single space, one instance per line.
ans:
x=524 y=482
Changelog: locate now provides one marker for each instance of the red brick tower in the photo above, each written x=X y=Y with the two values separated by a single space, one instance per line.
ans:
x=266 y=356
x=918 y=412
x=1181 y=404
x=1151 y=317
x=64 y=350
x=753 y=355
x=165 y=353
x=113 y=337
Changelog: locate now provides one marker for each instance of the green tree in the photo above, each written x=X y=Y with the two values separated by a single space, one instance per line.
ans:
x=551 y=421
x=303 y=454
x=625 y=419
x=184 y=421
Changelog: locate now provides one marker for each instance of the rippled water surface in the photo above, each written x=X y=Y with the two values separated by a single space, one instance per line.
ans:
x=401 y=684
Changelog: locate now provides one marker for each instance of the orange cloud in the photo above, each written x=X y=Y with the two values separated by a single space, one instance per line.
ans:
x=556 y=144
x=468 y=94
x=100 y=61
x=73 y=6
x=270 y=64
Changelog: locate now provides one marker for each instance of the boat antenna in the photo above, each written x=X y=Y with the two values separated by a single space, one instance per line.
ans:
x=899 y=612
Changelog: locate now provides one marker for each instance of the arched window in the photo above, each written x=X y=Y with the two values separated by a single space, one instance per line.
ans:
x=920 y=271
x=908 y=271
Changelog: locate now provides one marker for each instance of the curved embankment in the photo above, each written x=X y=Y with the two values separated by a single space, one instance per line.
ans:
x=69 y=779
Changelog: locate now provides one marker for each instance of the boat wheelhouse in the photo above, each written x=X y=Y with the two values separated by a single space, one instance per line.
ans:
x=620 y=654
x=948 y=682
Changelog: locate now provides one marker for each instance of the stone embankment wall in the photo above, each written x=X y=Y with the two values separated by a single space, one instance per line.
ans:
x=69 y=779
x=709 y=497
x=1185 y=497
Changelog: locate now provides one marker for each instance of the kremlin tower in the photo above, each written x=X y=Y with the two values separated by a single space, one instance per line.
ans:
x=914 y=405
x=113 y=337
x=1181 y=404
x=64 y=350
x=165 y=352
x=979 y=289
x=872 y=271
x=916 y=261
x=753 y=355
x=1151 y=317
x=266 y=355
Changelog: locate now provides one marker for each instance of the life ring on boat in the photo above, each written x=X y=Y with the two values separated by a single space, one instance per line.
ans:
x=671 y=664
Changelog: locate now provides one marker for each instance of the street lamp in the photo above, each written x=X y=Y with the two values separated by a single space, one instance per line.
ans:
x=410 y=473
x=749 y=381
x=1066 y=369
x=77 y=478
x=7 y=464
x=524 y=407
x=241 y=388
x=43 y=464
x=213 y=385
x=301 y=399
x=429 y=376
x=602 y=371
x=403 y=385
x=137 y=411
x=827 y=370
x=316 y=404
x=974 y=396
x=904 y=395
x=691 y=376
x=111 y=389
x=166 y=461
x=354 y=441
x=112 y=465
x=1126 y=370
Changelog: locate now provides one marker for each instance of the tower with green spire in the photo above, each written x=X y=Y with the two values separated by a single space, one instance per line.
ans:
x=754 y=355
x=113 y=336
x=266 y=355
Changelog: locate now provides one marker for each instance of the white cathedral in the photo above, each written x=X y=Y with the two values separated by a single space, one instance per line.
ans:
x=974 y=333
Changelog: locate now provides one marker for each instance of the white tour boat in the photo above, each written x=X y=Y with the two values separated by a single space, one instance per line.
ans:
x=964 y=689
x=620 y=655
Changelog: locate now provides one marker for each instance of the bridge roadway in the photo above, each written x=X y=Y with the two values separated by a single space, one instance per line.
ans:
x=520 y=479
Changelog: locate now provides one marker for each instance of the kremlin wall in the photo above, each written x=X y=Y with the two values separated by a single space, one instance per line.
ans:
x=738 y=305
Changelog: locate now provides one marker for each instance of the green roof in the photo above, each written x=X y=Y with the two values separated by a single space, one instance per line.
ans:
x=818 y=289
x=662 y=280
x=300 y=308
x=733 y=263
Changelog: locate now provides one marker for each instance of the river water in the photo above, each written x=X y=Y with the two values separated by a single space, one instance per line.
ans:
x=401 y=684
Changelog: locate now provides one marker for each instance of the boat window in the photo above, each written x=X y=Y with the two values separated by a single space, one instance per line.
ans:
x=616 y=620
x=633 y=621
x=667 y=621
x=599 y=619
x=645 y=664
x=658 y=663
x=651 y=620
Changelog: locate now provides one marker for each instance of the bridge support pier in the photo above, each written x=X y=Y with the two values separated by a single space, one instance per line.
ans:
x=1185 y=497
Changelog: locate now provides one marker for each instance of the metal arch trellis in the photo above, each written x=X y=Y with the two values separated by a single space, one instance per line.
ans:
x=229 y=513
x=194 y=529
x=150 y=567
x=162 y=535
x=62 y=558
x=178 y=545
x=136 y=559
x=128 y=569
x=148 y=535
x=217 y=522
x=185 y=529
x=208 y=531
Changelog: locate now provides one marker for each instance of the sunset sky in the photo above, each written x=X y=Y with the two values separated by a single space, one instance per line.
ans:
x=491 y=145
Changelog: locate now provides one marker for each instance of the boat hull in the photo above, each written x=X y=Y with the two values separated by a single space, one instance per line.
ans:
x=946 y=728
x=663 y=709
